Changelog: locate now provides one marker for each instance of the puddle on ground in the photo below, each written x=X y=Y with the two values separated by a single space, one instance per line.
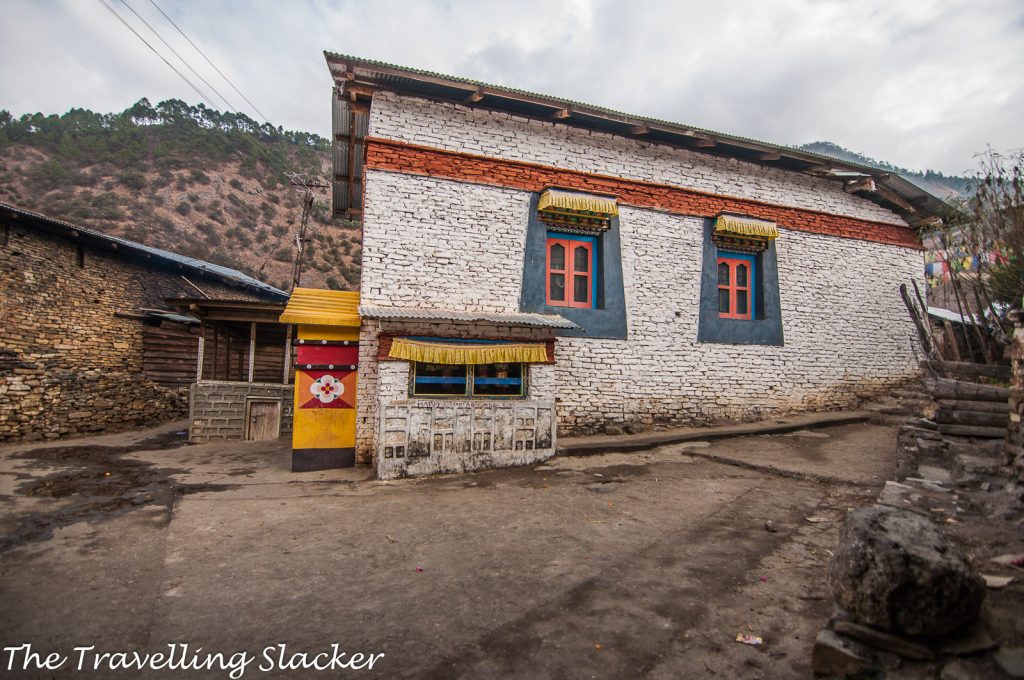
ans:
x=99 y=482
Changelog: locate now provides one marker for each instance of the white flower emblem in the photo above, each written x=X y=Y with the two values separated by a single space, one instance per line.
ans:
x=327 y=388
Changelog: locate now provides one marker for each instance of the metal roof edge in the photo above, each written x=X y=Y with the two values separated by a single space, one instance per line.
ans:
x=169 y=257
x=914 y=195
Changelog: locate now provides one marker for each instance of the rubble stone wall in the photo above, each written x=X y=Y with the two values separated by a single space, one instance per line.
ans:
x=68 y=365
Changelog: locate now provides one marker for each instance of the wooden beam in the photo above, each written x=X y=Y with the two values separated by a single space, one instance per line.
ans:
x=287 y=355
x=560 y=114
x=861 y=184
x=702 y=143
x=252 y=349
x=930 y=221
x=769 y=156
x=639 y=130
x=895 y=199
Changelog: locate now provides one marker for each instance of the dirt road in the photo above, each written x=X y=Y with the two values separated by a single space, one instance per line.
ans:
x=612 y=566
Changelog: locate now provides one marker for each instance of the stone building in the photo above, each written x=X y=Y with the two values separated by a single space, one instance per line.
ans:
x=87 y=340
x=625 y=272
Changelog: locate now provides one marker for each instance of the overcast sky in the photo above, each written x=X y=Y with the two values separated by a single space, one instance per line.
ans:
x=919 y=83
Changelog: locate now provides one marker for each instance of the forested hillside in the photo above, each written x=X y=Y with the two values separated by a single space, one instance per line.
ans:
x=185 y=178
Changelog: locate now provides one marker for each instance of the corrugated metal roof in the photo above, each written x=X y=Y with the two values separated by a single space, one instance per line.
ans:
x=456 y=88
x=192 y=263
x=503 y=318
x=322 y=307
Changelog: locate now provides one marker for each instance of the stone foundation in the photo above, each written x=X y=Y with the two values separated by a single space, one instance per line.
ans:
x=218 y=409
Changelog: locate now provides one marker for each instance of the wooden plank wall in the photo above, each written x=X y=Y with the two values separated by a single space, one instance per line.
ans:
x=169 y=353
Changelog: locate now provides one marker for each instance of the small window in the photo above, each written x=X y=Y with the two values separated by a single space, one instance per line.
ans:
x=440 y=380
x=735 y=286
x=459 y=380
x=571 y=265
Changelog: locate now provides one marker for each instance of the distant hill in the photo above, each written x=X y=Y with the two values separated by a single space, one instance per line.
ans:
x=212 y=185
x=188 y=179
x=936 y=183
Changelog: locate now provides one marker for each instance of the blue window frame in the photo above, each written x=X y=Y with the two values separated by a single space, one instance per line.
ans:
x=482 y=381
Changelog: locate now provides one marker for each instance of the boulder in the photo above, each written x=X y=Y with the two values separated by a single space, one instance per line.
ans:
x=898 y=572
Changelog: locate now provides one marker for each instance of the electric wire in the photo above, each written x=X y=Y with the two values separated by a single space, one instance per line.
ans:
x=273 y=156
x=214 y=66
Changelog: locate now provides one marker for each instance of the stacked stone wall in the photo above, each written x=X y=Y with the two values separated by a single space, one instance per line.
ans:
x=68 y=363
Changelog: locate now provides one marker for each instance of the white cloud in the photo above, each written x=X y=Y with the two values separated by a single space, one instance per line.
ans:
x=921 y=84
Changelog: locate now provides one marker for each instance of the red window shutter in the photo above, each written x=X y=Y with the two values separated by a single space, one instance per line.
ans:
x=734 y=282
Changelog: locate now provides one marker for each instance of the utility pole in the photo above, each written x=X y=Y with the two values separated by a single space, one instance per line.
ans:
x=300 y=238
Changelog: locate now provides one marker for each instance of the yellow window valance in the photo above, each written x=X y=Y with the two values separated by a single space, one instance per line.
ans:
x=576 y=212
x=746 y=226
x=571 y=201
x=458 y=353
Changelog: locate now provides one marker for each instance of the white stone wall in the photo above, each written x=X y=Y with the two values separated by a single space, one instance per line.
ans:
x=846 y=333
x=451 y=245
x=427 y=230
x=501 y=135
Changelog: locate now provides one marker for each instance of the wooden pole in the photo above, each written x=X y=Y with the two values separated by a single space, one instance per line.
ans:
x=287 y=355
x=202 y=347
x=252 y=349
x=216 y=351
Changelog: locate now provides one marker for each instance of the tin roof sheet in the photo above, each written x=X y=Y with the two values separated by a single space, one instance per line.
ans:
x=504 y=318
x=167 y=256
x=322 y=307
x=455 y=88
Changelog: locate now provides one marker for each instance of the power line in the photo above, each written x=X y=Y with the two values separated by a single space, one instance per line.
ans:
x=283 y=164
x=203 y=54
x=169 y=64
x=274 y=157
x=175 y=53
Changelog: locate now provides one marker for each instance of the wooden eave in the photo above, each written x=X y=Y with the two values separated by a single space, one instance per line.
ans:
x=901 y=197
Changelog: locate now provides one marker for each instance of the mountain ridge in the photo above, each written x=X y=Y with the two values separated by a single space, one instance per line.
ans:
x=937 y=183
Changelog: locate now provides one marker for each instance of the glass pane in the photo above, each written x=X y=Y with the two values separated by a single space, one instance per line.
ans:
x=723 y=274
x=439 y=380
x=558 y=286
x=723 y=300
x=558 y=257
x=741 y=302
x=498 y=380
x=579 y=288
x=581 y=259
x=741 y=275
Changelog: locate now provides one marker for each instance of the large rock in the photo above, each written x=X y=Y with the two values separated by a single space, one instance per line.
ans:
x=897 y=571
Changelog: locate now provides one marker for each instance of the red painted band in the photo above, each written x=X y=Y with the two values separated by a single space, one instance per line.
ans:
x=414 y=159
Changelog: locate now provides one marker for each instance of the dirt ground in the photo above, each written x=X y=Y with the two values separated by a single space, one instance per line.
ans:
x=610 y=566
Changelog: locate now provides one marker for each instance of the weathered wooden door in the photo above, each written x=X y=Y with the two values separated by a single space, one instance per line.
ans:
x=264 y=420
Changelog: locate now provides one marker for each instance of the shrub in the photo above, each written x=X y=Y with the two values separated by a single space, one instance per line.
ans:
x=183 y=208
x=135 y=181
x=283 y=254
x=197 y=176
x=236 y=184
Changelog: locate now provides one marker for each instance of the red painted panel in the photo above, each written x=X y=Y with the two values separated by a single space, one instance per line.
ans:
x=338 y=355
